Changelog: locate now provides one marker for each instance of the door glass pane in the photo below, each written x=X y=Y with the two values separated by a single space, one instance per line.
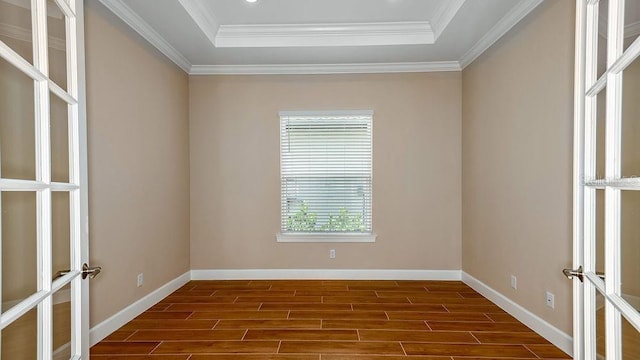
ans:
x=17 y=124
x=62 y=323
x=60 y=230
x=603 y=11
x=631 y=120
x=600 y=328
x=631 y=21
x=600 y=231
x=57 y=44
x=630 y=341
x=601 y=114
x=15 y=17
x=20 y=338
x=630 y=247
x=19 y=247
x=59 y=140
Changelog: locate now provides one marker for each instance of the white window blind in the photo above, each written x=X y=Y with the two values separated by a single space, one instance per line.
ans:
x=326 y=172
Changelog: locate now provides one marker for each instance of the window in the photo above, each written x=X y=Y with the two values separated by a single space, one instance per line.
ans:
x=326 y=176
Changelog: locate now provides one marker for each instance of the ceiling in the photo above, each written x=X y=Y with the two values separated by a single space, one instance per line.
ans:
x=321 y=36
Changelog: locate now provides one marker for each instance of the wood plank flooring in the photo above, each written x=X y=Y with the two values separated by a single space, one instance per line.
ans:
x=324 y=320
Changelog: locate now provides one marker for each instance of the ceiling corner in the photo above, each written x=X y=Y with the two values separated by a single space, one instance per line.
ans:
x=126 y=14
x=202 y=17
x=517 y=13
x=444 y=16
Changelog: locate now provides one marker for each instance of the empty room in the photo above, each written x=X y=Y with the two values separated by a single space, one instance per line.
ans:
x=319 y=179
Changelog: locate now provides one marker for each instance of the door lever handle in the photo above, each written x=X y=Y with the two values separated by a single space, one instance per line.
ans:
x=570 y=274
x=579 y=273
x=91 y=272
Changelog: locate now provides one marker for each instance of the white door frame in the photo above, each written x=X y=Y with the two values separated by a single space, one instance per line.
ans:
x=586 y=184
x=77 y=187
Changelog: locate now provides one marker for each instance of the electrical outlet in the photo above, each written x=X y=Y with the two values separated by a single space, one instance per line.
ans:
x=550 y=300
x=332 y=253
x=514 y=282
x=140 y=279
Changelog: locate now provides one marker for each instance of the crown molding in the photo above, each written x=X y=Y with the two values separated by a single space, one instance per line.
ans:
x=505 y=24
x=124 y=12
x=344 y=34
x=22 y=34
x=202 y=17
x=444 y=16
x=317 y=69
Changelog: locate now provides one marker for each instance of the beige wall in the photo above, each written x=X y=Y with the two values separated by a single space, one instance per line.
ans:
x=137 y=111
x=235 y=186
x=517 y=162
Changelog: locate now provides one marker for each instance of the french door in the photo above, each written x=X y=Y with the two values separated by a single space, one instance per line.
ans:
x=607 y=180
x=43 y=181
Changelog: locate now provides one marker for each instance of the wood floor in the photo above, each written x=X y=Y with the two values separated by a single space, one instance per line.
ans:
x=324 y=320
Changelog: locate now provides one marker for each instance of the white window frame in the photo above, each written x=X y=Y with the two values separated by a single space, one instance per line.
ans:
x=326 y=237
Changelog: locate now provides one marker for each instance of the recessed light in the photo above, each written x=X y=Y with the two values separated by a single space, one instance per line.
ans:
x=251 y=1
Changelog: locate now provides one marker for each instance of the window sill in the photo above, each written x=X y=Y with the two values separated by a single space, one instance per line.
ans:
x=326 y=237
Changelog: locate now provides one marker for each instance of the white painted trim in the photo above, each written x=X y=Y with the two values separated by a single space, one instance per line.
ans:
x=556 y=336
x=327 y=113
x=308 y=69
x=202 y=17
x=444 y=16
x=326 y=274
x=505 y=24
x=22 y=34
x=342 y=34
x=325 y=238
x=124 y=12
x=127 y=314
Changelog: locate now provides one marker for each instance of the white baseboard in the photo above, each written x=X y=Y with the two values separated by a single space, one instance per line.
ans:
x=554 y=335
x=108 y=326
x=324 y=274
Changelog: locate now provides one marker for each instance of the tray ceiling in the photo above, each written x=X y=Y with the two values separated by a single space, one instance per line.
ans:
x=321 y=36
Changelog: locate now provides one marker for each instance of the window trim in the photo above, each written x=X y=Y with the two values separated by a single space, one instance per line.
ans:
x=328 y=237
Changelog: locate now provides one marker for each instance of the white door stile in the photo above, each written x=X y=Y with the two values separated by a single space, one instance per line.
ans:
x=578 y=174
x=79 y=202
x=613 y=141
x=43 y=174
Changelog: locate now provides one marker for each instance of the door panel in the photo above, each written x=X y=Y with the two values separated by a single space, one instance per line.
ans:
x=18 y=17
x=631 y=120
x=18 y=339
x=43 y=183
x=17 y=124
x=59 y=139
x=57 y=44
x=19 y=247
x=607 y=179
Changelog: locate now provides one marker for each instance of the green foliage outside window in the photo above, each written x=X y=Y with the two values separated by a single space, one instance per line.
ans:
x=305 y=221
x=302 y=220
